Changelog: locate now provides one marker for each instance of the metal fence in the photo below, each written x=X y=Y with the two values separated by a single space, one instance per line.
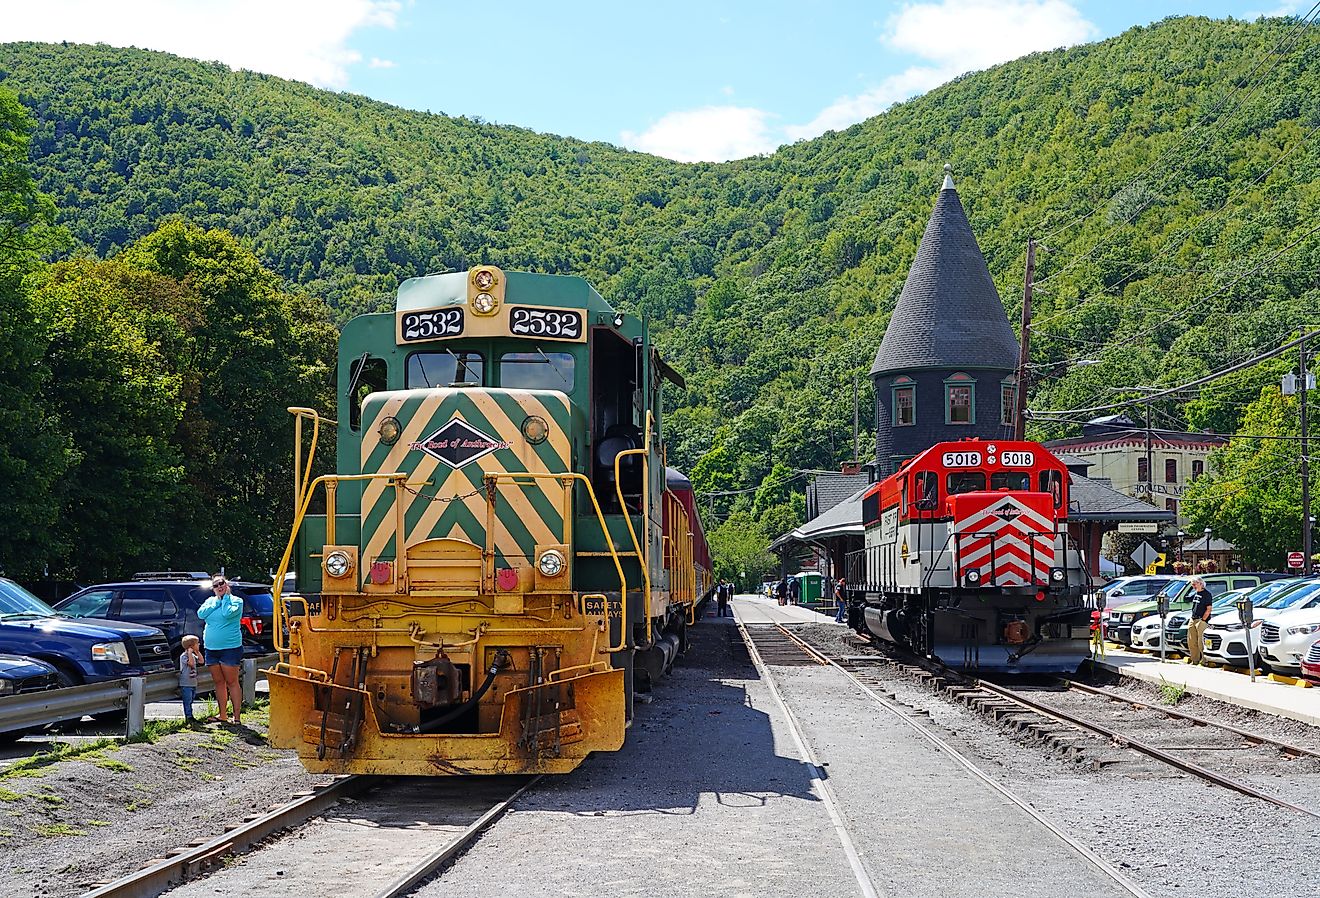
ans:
x=38 y=709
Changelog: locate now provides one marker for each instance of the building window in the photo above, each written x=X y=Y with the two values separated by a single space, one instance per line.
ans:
x=1171 y=505
x=1171 y=470
x=959 y=400
x=1143 y=471
x=1198 y=468
x=905 y=403
x=1008 y=405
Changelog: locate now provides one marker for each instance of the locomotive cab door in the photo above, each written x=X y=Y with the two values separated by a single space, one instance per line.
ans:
x=618 y=415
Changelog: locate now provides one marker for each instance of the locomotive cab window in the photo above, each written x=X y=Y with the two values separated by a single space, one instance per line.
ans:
x=1052 y=482
x=617 y=415
x=537 y=371
x=366 y=375
x=440 y=369
x=1017 y=481
x=928 y=490
x=965 y=482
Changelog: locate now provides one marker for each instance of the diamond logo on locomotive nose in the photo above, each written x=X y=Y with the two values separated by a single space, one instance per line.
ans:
x=458 y=443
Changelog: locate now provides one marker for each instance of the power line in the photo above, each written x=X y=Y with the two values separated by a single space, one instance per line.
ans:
x=1187 y=386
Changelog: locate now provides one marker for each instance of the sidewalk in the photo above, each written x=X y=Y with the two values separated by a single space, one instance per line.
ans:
x=1293 y=702
x=754 y=609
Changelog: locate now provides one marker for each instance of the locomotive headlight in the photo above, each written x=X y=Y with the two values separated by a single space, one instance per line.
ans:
x=535 y=429
x=389 y=431
x=1056 y=576
x=338 y=565
x=551 y=563
x=485 y=303
x=973 y=577
x=618 y=319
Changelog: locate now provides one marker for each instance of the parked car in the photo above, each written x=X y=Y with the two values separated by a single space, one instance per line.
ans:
x=1311 y=663
x=1128 y=589
x=20 y=675
x=165 y=600
x=1226 y=638
x=1146 y=630
x=1226 y=601
x=258 y=612
x=90 y=650
x=1285 y=639
x=1179 y=592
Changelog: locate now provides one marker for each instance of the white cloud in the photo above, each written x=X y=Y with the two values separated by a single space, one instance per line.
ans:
x=709 y=134
x=377 y=63
x=727 y=90
x=954 y=37
x=302 y=39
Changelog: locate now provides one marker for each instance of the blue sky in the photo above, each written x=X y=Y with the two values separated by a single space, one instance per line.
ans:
x=690 y=80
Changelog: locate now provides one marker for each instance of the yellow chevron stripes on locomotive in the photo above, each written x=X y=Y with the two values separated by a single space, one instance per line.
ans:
x=526 y=514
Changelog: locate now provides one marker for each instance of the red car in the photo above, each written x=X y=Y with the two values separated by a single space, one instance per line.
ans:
x=1311 y=663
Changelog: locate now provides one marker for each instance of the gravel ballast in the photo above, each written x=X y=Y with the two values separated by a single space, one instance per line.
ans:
x=95 y=818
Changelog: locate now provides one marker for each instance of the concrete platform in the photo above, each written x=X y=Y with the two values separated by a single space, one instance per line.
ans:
x=1293 y=702
x=754 y=609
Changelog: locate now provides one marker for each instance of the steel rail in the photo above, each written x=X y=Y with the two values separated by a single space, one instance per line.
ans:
x=446 y=853
x=1145 y=748
x=169 y=872
x=962 y=760
x=780 y=639
x=1286 y=747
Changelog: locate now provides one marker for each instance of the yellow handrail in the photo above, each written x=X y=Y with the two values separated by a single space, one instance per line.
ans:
x=493 y=477
x=299 y=514
x=643 y=558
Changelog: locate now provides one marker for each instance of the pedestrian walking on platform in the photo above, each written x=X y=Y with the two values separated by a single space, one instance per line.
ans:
x=794 y=590
x=1202 y=607
x=841 y=601
x=781 y=591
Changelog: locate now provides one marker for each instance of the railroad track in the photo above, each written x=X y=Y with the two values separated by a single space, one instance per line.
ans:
x=784 y=648
x=1013 y=707
x=371 y=836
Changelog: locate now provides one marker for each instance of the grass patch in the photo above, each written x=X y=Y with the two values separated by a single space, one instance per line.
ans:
x=61 y=751
x=98 y=822
x=114 y=764
x=51 y=799
x=139 y=804
x=51 y=830
x=152 y=730
x=1171 y=693
x=9 y=794
x=210 y=777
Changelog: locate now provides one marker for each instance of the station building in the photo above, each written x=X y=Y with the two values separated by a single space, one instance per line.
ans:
x=946 y=370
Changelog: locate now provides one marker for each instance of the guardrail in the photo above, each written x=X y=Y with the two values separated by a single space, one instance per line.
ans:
x=131 y=694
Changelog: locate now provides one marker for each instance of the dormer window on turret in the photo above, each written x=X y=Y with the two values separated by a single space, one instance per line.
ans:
x=1008 y=401
x=959 y=399
x=905 y=402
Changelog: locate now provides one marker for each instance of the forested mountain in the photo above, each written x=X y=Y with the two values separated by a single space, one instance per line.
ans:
x=1169 y=171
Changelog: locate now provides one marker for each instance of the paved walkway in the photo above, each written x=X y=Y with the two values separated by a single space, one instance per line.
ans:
x=1266 y=695
x=753 y=609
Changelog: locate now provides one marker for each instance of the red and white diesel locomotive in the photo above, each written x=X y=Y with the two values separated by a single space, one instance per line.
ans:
x=968 y=560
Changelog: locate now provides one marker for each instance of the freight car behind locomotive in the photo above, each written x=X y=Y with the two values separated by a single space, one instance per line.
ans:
x=968 y=560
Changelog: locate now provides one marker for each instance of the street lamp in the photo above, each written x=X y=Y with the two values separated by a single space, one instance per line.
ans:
x=1181 y=537
x=1207 y=547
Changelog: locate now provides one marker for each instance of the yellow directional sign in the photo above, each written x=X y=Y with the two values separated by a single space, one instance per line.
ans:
x=1155 y=564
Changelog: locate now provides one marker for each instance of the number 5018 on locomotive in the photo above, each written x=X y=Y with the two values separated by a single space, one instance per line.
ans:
x=968 y=560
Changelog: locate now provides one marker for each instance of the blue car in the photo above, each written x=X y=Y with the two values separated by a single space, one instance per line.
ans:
x=85 y=650
x=19 y=676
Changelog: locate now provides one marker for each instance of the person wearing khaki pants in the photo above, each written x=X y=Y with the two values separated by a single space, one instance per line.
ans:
x=1202 y=603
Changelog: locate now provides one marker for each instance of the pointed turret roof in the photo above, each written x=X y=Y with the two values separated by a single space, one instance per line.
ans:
x=949 y=314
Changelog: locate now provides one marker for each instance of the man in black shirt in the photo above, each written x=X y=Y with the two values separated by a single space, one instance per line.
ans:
x=1202 y=602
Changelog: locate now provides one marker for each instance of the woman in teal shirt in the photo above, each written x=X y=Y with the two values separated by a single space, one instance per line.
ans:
x=223 y=641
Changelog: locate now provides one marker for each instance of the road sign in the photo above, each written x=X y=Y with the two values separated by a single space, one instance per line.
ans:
x=1138 y=527
x=1296 y=560
x=1144 y=555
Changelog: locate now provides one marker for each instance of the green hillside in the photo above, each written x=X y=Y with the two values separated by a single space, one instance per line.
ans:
x=1184 y=151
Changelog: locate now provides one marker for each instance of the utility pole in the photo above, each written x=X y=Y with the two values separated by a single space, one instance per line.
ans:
x=856 y=411
x=1150 y=460
x=1306 y=474
x=1024 y=351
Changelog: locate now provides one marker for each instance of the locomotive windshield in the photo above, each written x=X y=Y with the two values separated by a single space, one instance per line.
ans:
x=537 y=371
x=1010 y=480
x=965 y=482
x=928 y=487
x=440 y=369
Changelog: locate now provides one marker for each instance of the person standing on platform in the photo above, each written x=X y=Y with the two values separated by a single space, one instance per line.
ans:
x=840 y=601
x=722 y=599
x=781 y=591
x=794 y=590
x=1202 y=607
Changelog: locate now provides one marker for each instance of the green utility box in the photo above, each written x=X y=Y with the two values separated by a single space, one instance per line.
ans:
x=809 y=587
